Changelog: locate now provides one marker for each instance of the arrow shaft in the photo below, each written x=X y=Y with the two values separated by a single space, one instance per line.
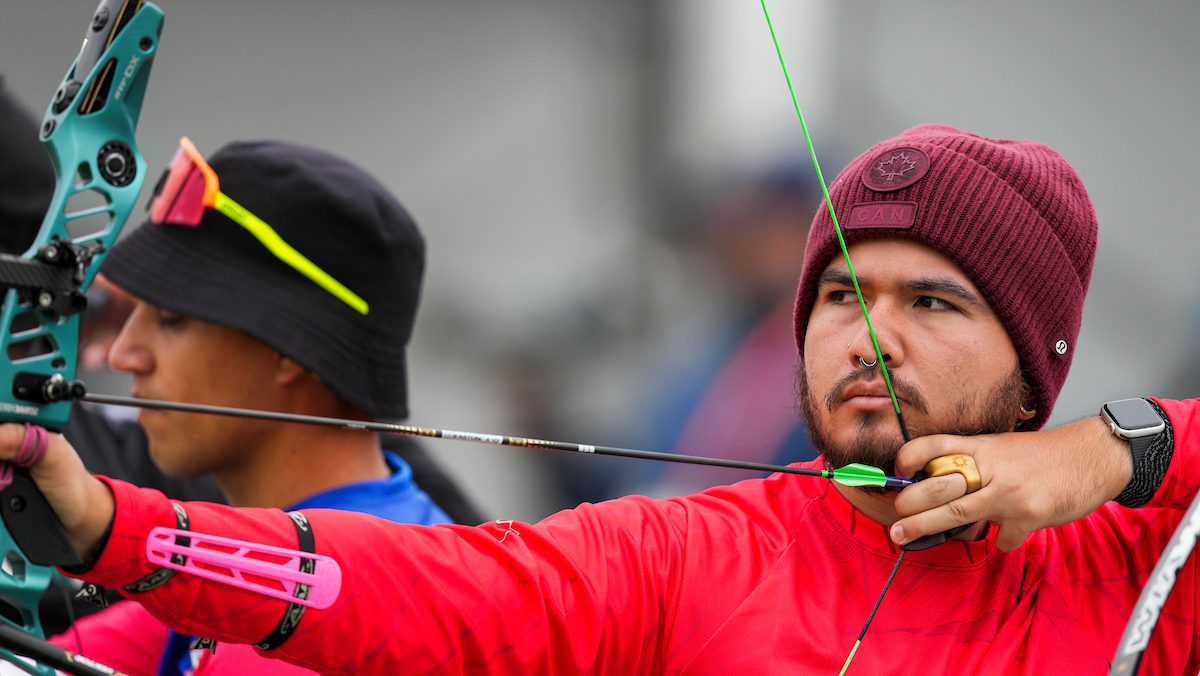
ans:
x=495 y=439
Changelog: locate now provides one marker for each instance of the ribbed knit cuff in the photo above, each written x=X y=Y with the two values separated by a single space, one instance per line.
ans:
x=1148 y=474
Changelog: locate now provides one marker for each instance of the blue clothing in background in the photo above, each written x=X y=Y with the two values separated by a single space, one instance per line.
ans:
x=396 y=498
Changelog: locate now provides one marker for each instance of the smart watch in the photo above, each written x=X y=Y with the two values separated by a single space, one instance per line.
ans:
x=1135 y=421
x=1151 y=443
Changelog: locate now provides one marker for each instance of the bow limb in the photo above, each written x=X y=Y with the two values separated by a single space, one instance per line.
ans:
x=1138 y=631
x=88 y=131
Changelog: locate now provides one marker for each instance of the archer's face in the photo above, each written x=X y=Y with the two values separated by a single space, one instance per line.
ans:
x=952 y=364
x=180 y=358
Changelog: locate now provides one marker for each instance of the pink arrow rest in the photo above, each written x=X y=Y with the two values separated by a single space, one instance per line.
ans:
x=262 y=569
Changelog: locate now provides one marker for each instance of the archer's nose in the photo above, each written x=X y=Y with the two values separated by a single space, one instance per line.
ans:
x=128 y=352
x=862 y=347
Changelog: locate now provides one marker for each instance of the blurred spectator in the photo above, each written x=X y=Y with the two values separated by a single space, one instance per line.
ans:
x=720 y=379
x=736 y=396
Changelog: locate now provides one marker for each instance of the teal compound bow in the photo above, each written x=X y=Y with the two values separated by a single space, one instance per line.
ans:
x=89 y=132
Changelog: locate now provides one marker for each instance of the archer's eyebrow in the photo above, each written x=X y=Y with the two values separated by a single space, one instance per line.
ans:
x=835 y=277
x=947 y=287
x=926 y=284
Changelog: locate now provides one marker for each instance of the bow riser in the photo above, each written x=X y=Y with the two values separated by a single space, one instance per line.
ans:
x=100 y=173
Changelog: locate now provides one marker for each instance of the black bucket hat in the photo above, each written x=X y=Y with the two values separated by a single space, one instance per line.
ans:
x=333 y=213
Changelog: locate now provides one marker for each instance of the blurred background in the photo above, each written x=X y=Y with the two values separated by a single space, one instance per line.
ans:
x=615 y=193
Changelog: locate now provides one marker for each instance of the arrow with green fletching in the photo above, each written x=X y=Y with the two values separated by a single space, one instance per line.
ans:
x=850 y=475
x=857 y=474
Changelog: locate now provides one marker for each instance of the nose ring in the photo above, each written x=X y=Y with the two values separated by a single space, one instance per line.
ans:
x=867 y=365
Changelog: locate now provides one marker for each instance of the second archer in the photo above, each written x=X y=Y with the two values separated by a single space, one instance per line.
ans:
x=277 y=276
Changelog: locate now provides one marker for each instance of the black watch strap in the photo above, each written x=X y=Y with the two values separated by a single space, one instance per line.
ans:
x=1151 y=460
x=1139 y=446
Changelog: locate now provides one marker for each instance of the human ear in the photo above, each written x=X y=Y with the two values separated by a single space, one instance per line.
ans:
x=288 y=371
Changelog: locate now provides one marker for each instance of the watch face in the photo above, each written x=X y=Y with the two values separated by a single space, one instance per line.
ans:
x=1133 y=414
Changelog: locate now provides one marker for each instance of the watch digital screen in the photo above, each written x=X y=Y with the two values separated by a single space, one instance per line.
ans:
x=1133 y=414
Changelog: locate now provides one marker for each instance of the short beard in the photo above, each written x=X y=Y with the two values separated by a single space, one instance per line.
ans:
x=989 y=413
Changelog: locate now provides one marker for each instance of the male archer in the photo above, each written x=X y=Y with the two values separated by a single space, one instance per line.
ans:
x=973 y=256
x=278 y=277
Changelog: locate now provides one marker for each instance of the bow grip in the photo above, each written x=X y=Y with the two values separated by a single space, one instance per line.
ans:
x=33 y=524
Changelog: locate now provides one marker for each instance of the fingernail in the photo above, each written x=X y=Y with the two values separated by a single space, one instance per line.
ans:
x=898 y=534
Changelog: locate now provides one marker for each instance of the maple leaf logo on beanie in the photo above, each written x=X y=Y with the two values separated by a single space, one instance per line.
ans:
x=896 y=167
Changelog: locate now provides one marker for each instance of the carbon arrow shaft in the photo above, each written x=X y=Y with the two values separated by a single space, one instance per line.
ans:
x=410 y=430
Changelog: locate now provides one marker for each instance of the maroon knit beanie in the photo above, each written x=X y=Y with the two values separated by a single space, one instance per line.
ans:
x=1012 y=214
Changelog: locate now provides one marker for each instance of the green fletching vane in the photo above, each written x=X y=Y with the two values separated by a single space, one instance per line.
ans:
x=857 y=474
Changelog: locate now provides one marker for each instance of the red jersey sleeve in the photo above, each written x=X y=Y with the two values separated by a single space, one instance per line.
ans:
x=1179 y=486
x=581 y=591
x=125 y=637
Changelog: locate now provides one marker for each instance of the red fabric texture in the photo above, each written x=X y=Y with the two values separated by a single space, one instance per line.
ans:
x=233 y=659
x=765 y=576
x=125 y=637
x=129 y=639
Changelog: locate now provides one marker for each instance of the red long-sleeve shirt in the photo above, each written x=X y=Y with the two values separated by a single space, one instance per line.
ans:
x=765 y=576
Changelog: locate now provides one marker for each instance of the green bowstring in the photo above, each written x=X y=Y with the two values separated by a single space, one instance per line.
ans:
x=887 y=379
x=837 y=229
